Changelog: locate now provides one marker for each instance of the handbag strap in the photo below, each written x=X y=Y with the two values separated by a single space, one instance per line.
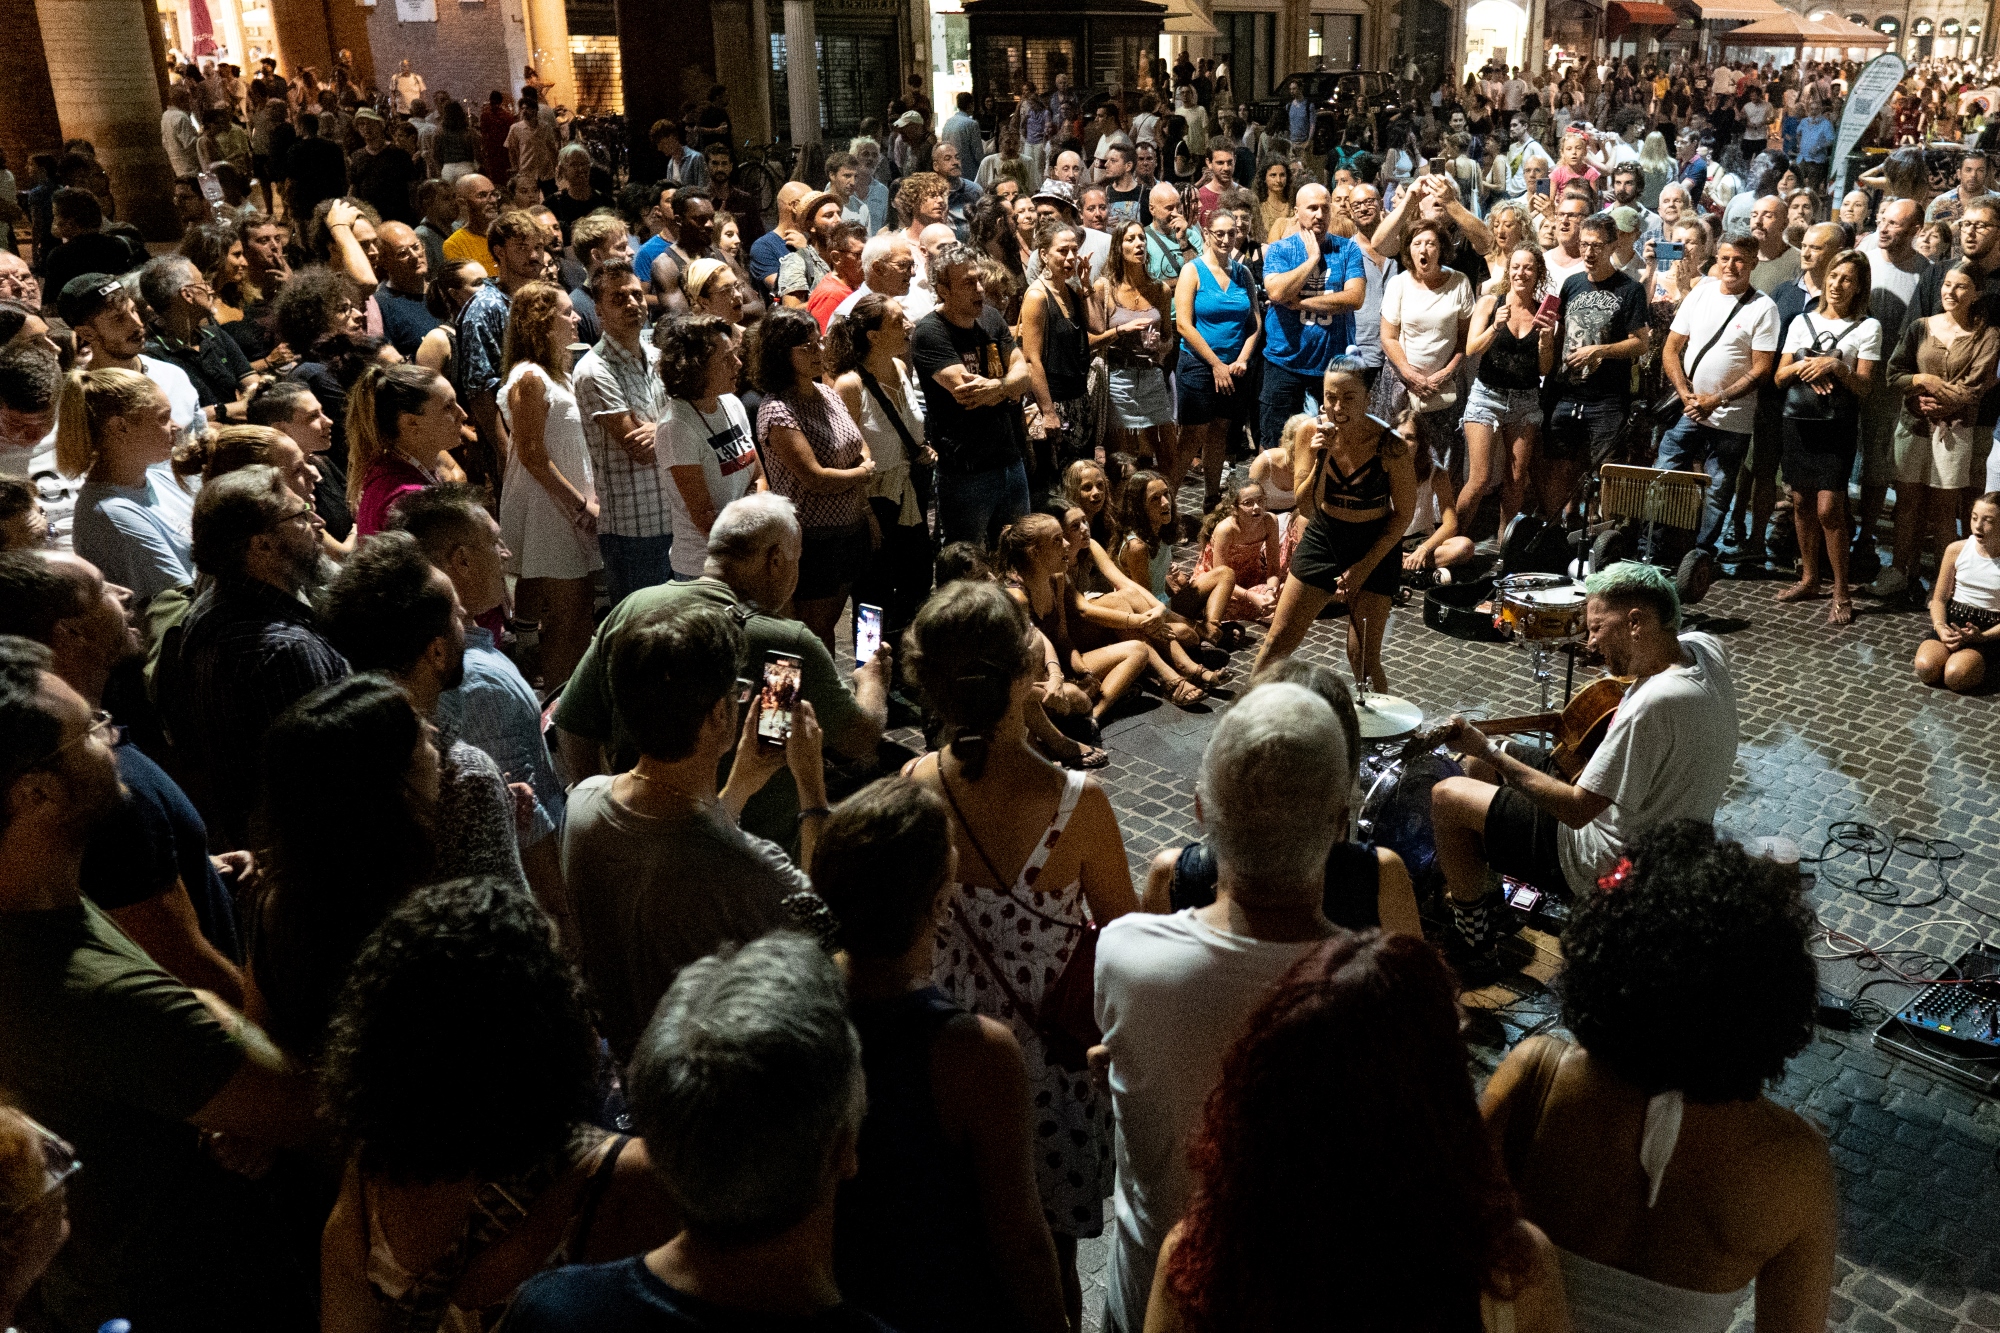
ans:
x=1005 y=885
x=1741 y=301
x=890 y=410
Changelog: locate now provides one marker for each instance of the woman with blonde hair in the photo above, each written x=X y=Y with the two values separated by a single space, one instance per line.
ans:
x=1502 y=420
x=402 y=421
x=712 y=289
x=133 y=520
x=1656 y=165
x=1508 y=221
x=548 y=504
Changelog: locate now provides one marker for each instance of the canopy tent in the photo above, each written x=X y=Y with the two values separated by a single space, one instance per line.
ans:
x=1734 y=10
x=1620 y=15
x=1787 y=28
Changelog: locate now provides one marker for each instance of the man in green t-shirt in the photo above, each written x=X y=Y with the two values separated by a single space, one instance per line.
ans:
x=753 y=566
x=103 y=1047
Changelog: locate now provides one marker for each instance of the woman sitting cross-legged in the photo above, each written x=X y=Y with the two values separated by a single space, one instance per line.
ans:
x=1145 y=552
x=1032 y=560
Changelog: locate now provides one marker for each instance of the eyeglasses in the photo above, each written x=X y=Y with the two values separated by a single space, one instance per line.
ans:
x=59 y=1163
x=101 y=728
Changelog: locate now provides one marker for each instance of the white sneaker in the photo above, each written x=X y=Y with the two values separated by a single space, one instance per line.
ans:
x=1891 y=582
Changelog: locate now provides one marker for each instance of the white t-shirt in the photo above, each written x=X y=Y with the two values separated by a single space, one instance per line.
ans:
x=1427 y=321
x=1752 y=328
x=182 y=400
x=1561 y=267
x=1856 y=340
x=722 y=445
x=1668 y=755
x=1172 y=997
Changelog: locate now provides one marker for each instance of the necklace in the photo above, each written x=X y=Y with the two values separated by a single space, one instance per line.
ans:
x=698 y=801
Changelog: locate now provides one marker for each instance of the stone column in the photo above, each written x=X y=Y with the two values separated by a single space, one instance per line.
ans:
x=107 y=91
x=30 y=125
x=802 y=71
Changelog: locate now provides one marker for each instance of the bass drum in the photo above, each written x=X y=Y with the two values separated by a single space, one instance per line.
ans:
x=1396 y=808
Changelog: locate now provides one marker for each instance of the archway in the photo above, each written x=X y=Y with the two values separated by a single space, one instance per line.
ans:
x=1495 y=29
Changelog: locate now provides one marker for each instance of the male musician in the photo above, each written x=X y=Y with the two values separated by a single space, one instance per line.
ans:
x=1667 y=755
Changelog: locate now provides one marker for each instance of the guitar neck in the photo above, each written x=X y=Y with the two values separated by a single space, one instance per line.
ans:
x=1508 y=726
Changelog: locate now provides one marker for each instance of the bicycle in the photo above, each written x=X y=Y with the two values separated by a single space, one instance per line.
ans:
x=757 y=177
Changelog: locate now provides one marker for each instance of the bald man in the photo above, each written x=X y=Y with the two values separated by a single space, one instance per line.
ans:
x=1069 y=167
x=1171 y=240
x=479 y=201
x=921 y=299
x=405 y=270
x=768 y=251
x=1316 y=281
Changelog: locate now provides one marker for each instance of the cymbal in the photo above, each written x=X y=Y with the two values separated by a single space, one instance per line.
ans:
x=1384 y=717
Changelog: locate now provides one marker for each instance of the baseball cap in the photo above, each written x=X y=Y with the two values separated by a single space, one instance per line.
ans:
x=85 y=296
x=368 y=113
x=909 y=118
x=1625 y=218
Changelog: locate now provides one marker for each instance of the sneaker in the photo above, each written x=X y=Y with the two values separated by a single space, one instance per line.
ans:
x=1890 y=583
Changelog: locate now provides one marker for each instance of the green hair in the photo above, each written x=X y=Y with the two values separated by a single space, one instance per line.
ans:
x=1630 y=581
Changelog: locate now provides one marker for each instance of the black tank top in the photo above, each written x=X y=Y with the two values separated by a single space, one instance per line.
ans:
x=910 y=1239
x=1065 y=347
x=1511 y=363
x=1353 y=883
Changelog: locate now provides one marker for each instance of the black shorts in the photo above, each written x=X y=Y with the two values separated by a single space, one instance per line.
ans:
x=1520 y=836
x=831 y=559
x=1330 y=548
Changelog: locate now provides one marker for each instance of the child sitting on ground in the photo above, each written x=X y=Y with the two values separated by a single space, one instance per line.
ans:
x=1240 y=536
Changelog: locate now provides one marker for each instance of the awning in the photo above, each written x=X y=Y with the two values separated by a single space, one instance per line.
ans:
x=1186 y=18
x=1622 y=14
x=1740 y=9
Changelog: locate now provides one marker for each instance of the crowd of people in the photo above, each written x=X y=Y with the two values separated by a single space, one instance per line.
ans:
x=364 y=1003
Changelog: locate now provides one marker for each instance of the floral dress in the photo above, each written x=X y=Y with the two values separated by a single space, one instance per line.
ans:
x=1030 y=933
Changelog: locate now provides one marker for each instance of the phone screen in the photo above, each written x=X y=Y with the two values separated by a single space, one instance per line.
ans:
x=776 y=698
x=867 y=633
x=1524 y=898
x=1666 y=252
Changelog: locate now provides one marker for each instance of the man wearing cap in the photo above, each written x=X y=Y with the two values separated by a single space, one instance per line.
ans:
x=910 y=146
x=965 y=191
x=807 y=262
x=1058 y=199
x=1626 y=256
x=380 y=172
x=85 y=247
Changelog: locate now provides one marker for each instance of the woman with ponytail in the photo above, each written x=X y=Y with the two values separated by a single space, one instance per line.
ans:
x=114 y=429
x=1041 y=864
x=400 y=420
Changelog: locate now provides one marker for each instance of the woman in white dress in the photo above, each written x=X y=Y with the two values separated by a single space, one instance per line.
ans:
x=548 y=504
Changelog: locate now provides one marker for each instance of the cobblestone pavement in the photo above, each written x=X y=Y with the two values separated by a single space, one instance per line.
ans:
x=1834 y=727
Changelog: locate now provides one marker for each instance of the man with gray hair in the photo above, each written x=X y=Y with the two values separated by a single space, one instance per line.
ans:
x=753 y=567
x=1173 y=992
x=887 y=264
x=748 y=1091
x=186 y=334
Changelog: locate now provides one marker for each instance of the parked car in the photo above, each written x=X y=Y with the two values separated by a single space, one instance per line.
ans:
x=1334 y=95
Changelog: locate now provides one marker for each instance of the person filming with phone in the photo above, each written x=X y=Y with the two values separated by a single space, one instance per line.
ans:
x=658 y=869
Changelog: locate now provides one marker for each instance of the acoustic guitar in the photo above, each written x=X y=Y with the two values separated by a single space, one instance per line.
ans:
x=1578 y=729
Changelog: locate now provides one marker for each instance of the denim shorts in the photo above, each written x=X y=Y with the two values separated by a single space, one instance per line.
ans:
x=1497 y=408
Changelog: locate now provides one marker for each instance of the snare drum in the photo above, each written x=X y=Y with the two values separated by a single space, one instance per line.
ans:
x=1395 y=806
x=1539 y=608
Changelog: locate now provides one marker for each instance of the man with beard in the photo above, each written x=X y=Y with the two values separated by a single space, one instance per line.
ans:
x=123 y=1061
x=1668 y=755
x=148 y=865
x=250 y=646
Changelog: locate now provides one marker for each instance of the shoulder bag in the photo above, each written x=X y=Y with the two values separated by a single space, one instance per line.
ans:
x=1805 y=403
x=1668 y=409
x=1066 y=1019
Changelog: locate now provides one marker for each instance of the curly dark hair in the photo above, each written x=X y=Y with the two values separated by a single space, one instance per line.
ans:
x=1693 y=974
x=460 y=1046
x=770 y=351
x=687 y=344
x=305 y=306
x=1357 y=1045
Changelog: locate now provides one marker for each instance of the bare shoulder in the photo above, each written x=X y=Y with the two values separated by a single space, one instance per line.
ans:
x=980 y=1051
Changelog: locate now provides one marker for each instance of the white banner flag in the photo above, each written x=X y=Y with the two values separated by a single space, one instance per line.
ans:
x=416 y=11
x=1865 y=100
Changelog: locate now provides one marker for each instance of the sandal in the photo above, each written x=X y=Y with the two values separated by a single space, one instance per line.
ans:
x=1798 y=592
x=1842 y=612
x=1210 y=677
x=1086 y=757
x=1184 y=693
